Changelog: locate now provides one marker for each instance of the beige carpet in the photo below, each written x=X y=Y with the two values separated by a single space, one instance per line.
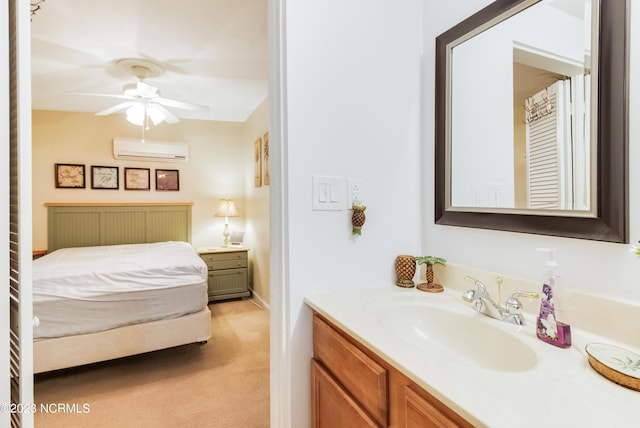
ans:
x=224 y=383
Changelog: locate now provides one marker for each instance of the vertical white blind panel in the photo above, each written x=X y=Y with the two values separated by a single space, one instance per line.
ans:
x=20 y=299
x=543 y=162
x=549 y=170
x=5 y=379
x=14 y=297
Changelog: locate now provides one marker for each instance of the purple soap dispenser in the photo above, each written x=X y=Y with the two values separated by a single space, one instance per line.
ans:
x=548 y=328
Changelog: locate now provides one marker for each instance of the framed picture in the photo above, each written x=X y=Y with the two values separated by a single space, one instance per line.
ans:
x=265 y=159
x=105 y=177
x=167 y=179
x=137 y=178
x=257 y=160
x=69 y=176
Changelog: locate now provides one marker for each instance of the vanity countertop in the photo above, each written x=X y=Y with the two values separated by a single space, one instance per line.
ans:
x=561 y=391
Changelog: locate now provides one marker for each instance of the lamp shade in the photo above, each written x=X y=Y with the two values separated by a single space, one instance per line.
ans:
x=139 y=112
x=136 y=114
x=155 y=114
x=227 y=208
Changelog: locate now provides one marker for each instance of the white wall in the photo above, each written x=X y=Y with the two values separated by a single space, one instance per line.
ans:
x=215 y=170
x=483 y=99
x=257 y=218
x=486 y=110
x=352 y=109
x=595 y=267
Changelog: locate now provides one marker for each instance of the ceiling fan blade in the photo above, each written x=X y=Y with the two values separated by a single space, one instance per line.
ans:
x=181 y=105
x=115 y=108
x=119 y=96
x=169 y=117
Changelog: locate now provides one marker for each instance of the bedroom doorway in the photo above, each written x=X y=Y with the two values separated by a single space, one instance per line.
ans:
x=256 y=199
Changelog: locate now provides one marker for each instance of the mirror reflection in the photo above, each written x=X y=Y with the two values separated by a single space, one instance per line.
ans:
x=520 y=130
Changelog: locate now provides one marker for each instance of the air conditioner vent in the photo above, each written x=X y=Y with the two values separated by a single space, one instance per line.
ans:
x=150 y=151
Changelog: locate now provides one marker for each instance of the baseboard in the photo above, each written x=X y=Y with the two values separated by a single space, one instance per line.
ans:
x=260 y=300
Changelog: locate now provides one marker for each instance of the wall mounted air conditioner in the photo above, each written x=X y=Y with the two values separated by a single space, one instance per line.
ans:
x=152 y=151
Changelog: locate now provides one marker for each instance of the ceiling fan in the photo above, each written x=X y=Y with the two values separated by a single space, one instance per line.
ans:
x=143 y=101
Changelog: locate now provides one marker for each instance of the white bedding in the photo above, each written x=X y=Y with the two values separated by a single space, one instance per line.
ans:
x=89 y=289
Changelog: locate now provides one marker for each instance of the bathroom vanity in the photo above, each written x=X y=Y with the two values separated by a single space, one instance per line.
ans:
x=352 y=386
x=390 y=356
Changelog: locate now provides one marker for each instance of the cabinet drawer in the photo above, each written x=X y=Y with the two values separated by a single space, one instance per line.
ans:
x=360 y=375
x=228 y=281
x=221 y=257
x=226 y=264
x=232 y=260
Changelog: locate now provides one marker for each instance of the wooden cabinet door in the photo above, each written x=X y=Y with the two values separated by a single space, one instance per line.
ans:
x=358 y=373
x=419 y=413
x=331 y=406
x=415 y=408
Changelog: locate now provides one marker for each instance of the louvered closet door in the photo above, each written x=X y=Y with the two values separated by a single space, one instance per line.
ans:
x=15 y=185
x=548 y=175
x=5 y=390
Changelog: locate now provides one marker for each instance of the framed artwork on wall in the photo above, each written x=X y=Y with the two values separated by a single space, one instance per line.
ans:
x=257 y=160
x=105 y=177
x=69 y=176
x=167 y=179
x=265 y=158
x=137 y=178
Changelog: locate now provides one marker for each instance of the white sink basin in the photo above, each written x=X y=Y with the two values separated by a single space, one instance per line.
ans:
x=465 y=337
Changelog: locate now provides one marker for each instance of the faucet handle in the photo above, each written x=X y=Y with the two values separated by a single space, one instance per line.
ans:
x=499 y=282
x=477 y=282
x=513 y=303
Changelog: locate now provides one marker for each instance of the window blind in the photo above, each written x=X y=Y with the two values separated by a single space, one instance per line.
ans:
x=5 y=378
x=18 y=259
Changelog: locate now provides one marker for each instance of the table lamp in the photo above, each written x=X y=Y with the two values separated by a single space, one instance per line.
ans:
x=226 y=209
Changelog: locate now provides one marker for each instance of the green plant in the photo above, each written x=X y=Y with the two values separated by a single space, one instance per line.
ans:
x=431 y=260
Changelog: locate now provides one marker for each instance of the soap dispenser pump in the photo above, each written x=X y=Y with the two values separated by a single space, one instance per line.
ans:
x=548 y=329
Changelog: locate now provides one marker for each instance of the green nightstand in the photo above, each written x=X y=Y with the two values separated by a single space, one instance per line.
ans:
x=228 y=272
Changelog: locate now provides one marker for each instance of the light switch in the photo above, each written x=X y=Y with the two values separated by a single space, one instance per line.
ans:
x=323 y=193
x=329 y=193
x=334 y=193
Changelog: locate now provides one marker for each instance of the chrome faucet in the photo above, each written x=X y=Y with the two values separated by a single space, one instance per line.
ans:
x=484 y=304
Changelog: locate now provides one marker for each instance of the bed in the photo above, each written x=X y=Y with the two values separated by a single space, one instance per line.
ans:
x=118 y=280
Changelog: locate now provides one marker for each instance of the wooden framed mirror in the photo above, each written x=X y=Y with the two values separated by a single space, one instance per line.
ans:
x=594 y=203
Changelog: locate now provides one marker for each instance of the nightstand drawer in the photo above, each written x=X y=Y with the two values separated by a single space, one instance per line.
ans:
x=227 y=264
x=221 y=257
x=227 y=281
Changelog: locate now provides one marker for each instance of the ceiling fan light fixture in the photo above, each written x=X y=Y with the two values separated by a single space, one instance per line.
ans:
x=155 y=114
x=136 y=114
x=139 y=112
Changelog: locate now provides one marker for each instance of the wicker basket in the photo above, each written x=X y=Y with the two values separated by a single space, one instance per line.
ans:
x=611 y=362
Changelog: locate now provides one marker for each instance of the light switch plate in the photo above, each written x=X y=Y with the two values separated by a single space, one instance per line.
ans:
x=329 y=193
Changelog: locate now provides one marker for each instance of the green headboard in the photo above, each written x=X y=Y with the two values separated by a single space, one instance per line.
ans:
x=76 y=225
